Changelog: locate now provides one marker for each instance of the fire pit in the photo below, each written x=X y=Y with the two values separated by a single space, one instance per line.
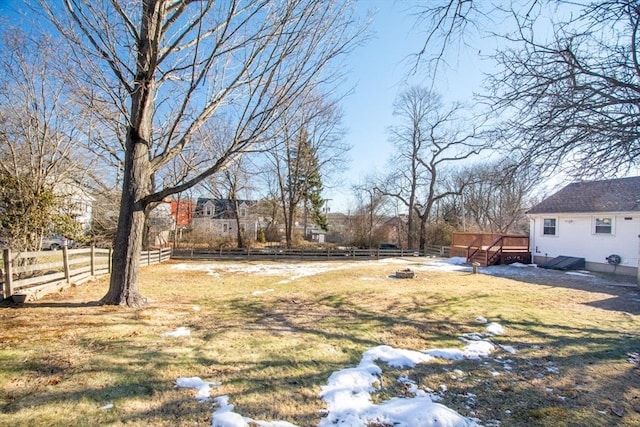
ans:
x=405 y=274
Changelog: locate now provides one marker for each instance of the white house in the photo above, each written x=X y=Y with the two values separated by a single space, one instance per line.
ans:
x=598 y=221
x=77 y=202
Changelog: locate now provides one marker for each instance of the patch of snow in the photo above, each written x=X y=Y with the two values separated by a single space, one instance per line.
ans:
x=495 y=328
x=394 y=357
x=203 y=387
x=225 y=417
x=412 y=387
x=107 y=406
x=449 y=264
x=347 y=393
x=481 y=319
x=207 y=268
x=521 y=265
x=256 y=293
x=509 y=349
x=578 y=273
x=180 y=332
x=446 y=353
x=478 y=349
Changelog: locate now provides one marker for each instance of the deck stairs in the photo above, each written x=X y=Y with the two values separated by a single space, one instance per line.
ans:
x=492 y=249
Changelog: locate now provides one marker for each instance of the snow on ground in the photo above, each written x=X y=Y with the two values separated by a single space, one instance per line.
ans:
x=579 y=273
x=256 y=293
x=347 y=393
x=531 y=271
x=449 y=264
x=203 y=387
x=292 y=270
x=180 y=332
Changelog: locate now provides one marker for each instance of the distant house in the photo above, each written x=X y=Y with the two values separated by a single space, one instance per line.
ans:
x=217 y=218
x=77 y=202
x=182 y=212
x=598 y=221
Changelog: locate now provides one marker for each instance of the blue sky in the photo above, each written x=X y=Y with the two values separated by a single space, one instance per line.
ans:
x=378 y=71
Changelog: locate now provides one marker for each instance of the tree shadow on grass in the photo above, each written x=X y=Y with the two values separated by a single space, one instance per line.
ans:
x=564 y=376
x=48 y=304
x=349 y=324
x=625 y=296
x=550 y=351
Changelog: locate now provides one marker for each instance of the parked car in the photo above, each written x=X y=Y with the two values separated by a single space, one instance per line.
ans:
x=389 y=246
x=54 y=243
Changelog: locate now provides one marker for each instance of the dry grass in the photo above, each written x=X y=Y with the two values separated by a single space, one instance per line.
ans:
x=62 y=359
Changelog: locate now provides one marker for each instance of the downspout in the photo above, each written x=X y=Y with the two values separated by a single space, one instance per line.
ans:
x=638 y=261
x=532 y=238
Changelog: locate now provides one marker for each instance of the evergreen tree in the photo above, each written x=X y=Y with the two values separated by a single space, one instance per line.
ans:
x=308 y=171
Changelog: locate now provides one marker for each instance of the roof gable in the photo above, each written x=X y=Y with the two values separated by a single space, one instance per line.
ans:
x=222 y=208
x=614 y=195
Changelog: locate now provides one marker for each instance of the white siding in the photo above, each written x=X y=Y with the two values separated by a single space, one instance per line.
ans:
x=575 y=236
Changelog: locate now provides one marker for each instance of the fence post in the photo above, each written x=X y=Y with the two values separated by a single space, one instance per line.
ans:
x=160 y=256
x=109 y=261
x=93 y=260
x=148 y=257
x=8 y=273
x=65 y=262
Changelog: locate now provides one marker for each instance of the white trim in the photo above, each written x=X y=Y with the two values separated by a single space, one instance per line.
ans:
x=594 y=219
x=556 y=228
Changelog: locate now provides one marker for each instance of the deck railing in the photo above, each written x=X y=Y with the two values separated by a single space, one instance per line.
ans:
x=491 y=246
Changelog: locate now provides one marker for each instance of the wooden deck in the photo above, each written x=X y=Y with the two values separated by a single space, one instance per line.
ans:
x=490 y=248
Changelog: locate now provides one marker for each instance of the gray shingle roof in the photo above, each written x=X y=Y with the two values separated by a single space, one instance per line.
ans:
x=614 y=195
x=224 y=208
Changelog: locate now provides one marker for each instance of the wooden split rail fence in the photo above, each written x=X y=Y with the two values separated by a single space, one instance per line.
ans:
x=308 y=254
x=31 y=275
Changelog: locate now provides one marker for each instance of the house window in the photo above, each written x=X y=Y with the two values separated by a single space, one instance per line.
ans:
x=243 y=212
x=208 y=211
x=225 y=228
x=549 y=227
x=604 y=226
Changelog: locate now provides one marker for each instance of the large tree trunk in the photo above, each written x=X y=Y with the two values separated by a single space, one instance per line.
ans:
x=123 y=286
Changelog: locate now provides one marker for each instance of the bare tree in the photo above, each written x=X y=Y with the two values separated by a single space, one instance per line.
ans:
x=368 y=216
x=178 y=64
x=230 y=184
x=496 y=196
x=573 y=101
x=429 y=139
x=570 y=99
x=40 y=156
x=447 y=23
x=308 y=148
